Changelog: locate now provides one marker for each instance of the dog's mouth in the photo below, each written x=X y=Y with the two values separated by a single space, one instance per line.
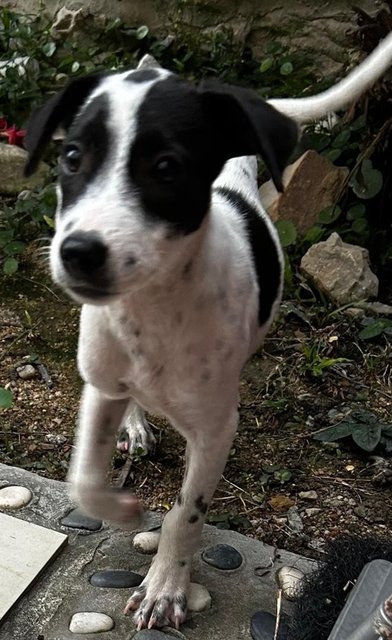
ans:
x=88 y=293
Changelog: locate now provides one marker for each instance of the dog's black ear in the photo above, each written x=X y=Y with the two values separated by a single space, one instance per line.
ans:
x=246 y=125
x=58 y=111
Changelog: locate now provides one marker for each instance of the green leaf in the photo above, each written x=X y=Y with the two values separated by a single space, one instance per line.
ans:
x=336 y=432
x=367 y=182
x=48 y=49
x=287 y=232
x=142 y=32
x=333 y=154
x=341 y=139
x=314 y=234
x=10 y=266
x=49 y=221
x=355 y=212
x=6 y=398
x=286 y=68
x=16 y=246
x=366 y=417
x=6 y=236
x=367 y=436
x=375 y=328
x=360 y=225
x=75 y=66
x=329 y=214
x=266 y=65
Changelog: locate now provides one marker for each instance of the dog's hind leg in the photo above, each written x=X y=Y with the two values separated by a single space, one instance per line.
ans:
x=161 y=598
x=99 y=421
x=135 y=433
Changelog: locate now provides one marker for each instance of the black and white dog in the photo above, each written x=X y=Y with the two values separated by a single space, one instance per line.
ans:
x=161 y=236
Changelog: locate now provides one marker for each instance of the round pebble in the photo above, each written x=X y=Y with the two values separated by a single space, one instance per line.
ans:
x=76 y=519
x=262 y=627
x=115 y=579
x=199 y=597
x=90 y=622
x=14 y=497
x=147 y=541
x=26 y=371
x=222 y=556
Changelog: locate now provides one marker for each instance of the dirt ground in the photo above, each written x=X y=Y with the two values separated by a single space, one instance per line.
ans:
x=274 y=458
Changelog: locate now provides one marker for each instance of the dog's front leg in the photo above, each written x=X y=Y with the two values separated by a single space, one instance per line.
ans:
x=161 y=599
x=99 y=421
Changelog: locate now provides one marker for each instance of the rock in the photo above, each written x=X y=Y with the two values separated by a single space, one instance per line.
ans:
x=55 y=438
x=308 y=495
x=312 y=511
x=222 y=556
x=65 y=22
x=199 y=597
x=90 y=622
x=115 y=579
x=289 y=580
x=26 y=371
x=77 y=520
x=294 y=520
x=12 y=162
x=262 y=627
x=340 y=270
x=148 y=62
x=311 y=184
x=152 y=634
x=147 y=541
x=14 y=497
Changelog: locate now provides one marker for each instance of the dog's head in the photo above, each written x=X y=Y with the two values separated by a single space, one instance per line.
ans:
x=140 y=151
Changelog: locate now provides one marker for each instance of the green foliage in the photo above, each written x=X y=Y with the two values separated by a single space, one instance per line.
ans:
x=375 y=328
x=228 y=521
x=364 y=429
x=6 y=398
x=314 y=363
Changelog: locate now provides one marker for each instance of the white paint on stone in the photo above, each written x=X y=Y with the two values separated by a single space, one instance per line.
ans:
x=14 y=497
x=199 y=597
x=90 y=622
x=147 y=541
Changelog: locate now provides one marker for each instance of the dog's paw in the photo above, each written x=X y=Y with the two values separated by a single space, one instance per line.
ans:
x=118 y=508
x=161 y=599
x=136 y=437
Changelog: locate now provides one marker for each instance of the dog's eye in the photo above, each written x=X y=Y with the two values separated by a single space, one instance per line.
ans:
x=72 y=158
x=166 y=169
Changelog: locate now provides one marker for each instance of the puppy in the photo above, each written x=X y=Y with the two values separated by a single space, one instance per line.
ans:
x=161 y=236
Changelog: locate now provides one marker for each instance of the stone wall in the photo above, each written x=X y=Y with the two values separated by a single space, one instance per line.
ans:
x=320 y=27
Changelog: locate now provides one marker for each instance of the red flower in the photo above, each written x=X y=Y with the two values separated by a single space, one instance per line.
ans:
x=14 y=135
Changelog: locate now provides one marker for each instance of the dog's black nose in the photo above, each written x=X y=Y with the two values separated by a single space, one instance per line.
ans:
x=83 y=253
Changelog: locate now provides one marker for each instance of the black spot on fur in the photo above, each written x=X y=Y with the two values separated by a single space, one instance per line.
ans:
x=179 y=499
x=181 y=600
x=187 y=269
x=194 y=518
x=201 y=505
x=142 y=75
x=136 y=332
x=206 y=375
x=68 y=226
x=265 y=254
x=178 y=317
x=122 y=387
x=181 y=563
x=130 y=261
x=90 y=133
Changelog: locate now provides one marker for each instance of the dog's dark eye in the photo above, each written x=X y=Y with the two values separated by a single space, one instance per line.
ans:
x=72 y=158
x=166 y=169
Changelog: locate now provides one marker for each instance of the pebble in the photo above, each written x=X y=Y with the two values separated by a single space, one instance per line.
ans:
x=312 y=511
x=115 y=579
x=78 y=520
x=308 y=495
x=199 y=597
x=294 y=520
x=289 y=580
x=90 y=622
x=14 y=497
x=222 y=556
x=147 y=541
x=262 y=627
x=152 y=634
x=26 y=371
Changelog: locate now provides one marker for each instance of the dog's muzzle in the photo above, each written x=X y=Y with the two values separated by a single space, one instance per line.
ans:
x=84 y=257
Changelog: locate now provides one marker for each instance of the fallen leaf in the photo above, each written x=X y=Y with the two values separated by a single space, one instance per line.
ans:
x=280 y=503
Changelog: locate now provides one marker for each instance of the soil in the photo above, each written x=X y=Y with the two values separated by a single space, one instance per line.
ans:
x=274 y=458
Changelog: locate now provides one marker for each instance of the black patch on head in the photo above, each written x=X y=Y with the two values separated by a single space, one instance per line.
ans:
x=142 y=75
x=68 y=226
x=265 y=254
x=90 y=133
x=172 y=162
x=201 y=505
x=194 y=518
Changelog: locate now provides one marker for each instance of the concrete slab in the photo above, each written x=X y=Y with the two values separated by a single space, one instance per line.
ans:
x=64 y=589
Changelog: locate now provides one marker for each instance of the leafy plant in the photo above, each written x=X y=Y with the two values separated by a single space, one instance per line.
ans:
x=6 y=398
x=314 y=363
x=364 y=429
x=375 y=327
x=228 y=521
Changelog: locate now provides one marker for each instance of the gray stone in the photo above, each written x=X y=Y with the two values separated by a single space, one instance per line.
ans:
x=12 y=162
x=262 y=627
x=311 y=184
x=78 y=520
x=115 y=579
x=26 y=371
x=147 y=541
x=340 y=270
x=308 y=495
x=152 y=634
x=65 y=22
x=294 y=520
x=199 y=598
x=223 y=556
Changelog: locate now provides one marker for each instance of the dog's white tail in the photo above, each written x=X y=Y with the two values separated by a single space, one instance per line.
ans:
x=357 y=82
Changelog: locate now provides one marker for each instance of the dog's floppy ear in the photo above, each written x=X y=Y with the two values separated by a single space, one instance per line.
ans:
x=246 y=125
x=58 y=111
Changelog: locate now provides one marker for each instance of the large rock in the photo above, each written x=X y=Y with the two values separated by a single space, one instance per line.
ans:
x=340 y=270
x=12 y=162
x=311 y=184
